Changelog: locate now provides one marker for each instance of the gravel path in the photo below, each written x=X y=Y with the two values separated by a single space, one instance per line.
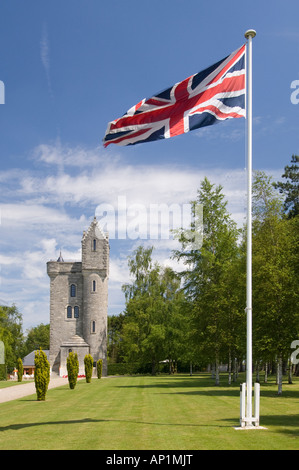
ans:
x=22 y=390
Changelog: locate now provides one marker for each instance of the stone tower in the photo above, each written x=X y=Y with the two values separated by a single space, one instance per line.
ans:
x=79 y=303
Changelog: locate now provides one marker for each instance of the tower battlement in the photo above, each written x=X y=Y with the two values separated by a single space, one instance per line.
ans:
x=56 y=267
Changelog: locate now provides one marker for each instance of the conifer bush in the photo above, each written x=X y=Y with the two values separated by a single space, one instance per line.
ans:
x=3 y=375
x=20 y=369
x=88 y=364
x=41 y=374
x=99 y=368
x=72 y=365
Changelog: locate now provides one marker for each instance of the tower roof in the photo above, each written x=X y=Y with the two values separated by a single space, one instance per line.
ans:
x=74 y=341
x=96 y=229
x=60 y=259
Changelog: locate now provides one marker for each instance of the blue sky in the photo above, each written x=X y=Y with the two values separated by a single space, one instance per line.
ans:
x=71 y=66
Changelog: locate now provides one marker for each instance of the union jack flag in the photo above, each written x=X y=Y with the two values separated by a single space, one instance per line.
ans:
x=214 y=94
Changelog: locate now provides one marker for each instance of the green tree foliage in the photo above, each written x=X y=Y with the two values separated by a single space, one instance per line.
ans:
x=37 y=337
x=153 y=319
x=88 y=365
x=11 y=334
x=20 y=369
x=275 y=276
x=115 y=349
x=175 y=316
x=99 y=368
x=72 y=365
x=210 y=277
x=41 y=374
x=290 y=187
x=199 y=316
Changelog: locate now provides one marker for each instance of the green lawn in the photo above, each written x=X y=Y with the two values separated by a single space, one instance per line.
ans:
x=154 y=413
x=12 y=383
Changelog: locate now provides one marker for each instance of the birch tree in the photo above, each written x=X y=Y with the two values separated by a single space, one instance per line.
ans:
x=153 y=326
x=206 y=275
x=275 y=290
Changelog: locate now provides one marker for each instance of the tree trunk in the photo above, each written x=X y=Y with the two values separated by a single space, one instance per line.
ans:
x=217 y=380
x=290 y=378
x=235 y=370
x=229 y=368
x=266 y=373
x=279 y=374
x=257 y=372
x=213 y=371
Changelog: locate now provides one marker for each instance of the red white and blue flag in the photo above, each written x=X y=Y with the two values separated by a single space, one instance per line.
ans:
x=212 y=95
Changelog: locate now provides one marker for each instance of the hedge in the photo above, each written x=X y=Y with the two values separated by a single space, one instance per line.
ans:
x=129 y=368
x=3 y=372
x=136 y=368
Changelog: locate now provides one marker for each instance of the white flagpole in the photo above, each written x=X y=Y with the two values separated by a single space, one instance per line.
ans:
x=249 y=35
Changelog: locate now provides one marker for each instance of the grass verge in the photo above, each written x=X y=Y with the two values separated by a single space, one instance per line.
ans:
x=149 y=413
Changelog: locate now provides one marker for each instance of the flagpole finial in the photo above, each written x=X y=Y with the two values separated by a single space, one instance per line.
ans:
x=250 y=32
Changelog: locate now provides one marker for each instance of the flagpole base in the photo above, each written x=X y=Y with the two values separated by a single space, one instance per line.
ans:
x=249 y=422
x=245 y=428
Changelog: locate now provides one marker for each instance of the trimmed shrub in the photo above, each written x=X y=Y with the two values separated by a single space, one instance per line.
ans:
x=99 y=368
x=88 y=364
x=3 y=375
x=20 y=369
x=72 y=365
x=41 y=374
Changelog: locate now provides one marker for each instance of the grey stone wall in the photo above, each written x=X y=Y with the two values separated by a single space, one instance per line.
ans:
x=95 y=268
x=90 y=278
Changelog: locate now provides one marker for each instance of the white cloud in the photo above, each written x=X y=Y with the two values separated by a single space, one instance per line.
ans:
x=223 y=132
x=105 y=180
x=50 y=205
x=58 y=154
x=45 y=55
x=44 y=48
x=118 y=270
x=8 y=260
x=29 y=215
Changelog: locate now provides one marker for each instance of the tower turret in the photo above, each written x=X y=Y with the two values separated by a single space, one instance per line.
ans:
x=95 y=270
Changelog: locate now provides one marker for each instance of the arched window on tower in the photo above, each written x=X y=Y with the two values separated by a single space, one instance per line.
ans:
x=93 y=326
x=73 y=290
x=69 y=312
x=94 y=244
x=94 y=286
x=76 y=311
